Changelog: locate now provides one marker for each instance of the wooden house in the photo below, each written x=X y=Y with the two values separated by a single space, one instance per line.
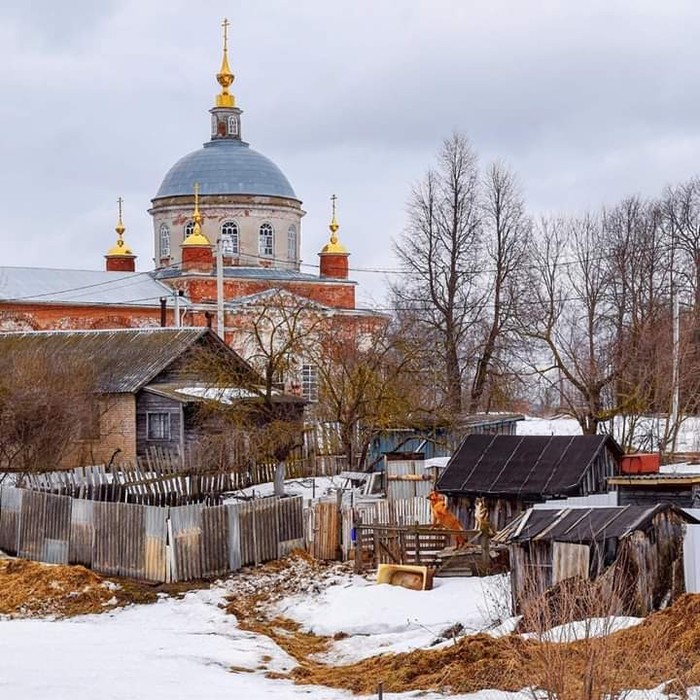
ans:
x=634 y=552
x=512 y=473
x=151 y=384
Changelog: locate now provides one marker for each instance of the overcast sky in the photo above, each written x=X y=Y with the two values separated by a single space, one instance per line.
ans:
x=586 y=101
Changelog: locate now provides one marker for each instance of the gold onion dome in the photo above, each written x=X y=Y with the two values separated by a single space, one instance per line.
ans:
x=196 y=238
x=334 y=245
x=225 y=77
x=120 y=247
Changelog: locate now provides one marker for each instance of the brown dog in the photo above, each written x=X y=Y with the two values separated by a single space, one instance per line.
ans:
x=442 y=517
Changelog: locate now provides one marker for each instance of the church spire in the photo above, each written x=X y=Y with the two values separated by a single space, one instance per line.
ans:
x=225 y=116
x=225 y=77
x=334 y=255
x=119 y=257
x=196 y=238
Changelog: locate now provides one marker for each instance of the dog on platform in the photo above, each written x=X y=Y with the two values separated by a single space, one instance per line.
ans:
x=441 y=517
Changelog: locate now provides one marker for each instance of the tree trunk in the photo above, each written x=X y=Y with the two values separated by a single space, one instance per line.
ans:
x=280 y=469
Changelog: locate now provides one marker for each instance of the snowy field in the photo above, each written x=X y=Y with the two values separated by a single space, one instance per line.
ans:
x=186 y=648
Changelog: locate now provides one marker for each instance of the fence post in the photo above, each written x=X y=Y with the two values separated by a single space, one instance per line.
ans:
x=358 y=549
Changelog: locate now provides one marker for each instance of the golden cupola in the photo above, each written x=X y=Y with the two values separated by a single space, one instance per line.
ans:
x=334 y=255
x=120 y=257
x=197 y=254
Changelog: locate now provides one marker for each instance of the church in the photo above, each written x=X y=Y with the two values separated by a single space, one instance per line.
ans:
x=226 y=234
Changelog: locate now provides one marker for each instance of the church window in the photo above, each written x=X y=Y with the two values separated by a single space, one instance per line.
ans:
x=292 y=242
x=158 y=426
x=164 y=241
x=265 y=247
x=309 y=382
x=229 y=238
x=232 y=126
x=189 y=228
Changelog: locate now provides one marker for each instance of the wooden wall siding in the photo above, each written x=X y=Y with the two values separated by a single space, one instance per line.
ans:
x=501 y=510
x=147 y=402
x=149 y=543
x=398 y=487
x=679 y=496
x=570 y=560
x=324 y=530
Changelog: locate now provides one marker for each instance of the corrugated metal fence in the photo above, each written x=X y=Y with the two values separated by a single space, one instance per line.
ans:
x=150 y=543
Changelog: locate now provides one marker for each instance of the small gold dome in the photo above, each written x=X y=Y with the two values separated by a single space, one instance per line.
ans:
x=196 y=238
x=334 y=245
x=120 y=248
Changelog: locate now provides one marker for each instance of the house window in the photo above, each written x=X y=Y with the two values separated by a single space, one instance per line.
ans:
x=164 y=241
x=266 y=241
x=189 y=228
x=229 y=239
x=292 y=242
x=158 y=426
x=309 y=382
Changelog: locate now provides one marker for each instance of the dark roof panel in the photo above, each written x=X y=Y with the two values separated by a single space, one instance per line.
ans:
x=538 y=466
x=583 y=525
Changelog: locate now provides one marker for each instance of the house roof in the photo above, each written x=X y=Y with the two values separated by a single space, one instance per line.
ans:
x=520 y=465
x=189 y=392
x=583 y=525
x=59 y=286
x=124 y=360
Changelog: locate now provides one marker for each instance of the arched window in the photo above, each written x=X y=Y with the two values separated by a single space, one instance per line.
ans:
x=266 y=242
x=229 y=239
x=164 y=232
x=233 y=126
x=292 y=242
x=189 y=228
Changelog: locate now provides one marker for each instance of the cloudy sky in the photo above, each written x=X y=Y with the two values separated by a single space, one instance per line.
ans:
x=586 y=101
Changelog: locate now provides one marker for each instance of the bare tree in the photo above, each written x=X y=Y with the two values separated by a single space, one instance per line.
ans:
x=48 y=406
x=441 y=255
x=364 y=383
x=506 y=234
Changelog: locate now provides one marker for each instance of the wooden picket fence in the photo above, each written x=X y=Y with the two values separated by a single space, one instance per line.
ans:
x=150 y=543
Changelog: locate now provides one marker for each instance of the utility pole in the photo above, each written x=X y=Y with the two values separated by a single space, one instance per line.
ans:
x=220 y=288
x=675 y=382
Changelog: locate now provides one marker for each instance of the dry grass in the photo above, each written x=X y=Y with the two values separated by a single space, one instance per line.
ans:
x=31 y=589
x=666 y=646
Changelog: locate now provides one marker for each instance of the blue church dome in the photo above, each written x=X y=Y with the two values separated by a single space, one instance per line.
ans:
x=225 y=166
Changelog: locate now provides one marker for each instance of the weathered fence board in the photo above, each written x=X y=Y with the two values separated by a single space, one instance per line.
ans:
x=215 y=541
x=82 y=532
x=155 y=564
x=187 y=542
x=325 y=530
x=131 y=540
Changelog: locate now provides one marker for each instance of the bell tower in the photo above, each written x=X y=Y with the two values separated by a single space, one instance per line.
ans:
x=225 y=116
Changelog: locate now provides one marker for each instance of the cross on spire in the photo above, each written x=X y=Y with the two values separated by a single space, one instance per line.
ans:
x=225 y=24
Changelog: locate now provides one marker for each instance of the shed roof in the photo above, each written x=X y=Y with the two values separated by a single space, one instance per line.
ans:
x=583 y=525
x=125 y=360
x=543 y=466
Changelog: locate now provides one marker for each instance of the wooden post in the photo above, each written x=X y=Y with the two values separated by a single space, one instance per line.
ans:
x=417 y=537
x=339 y=527
x=359 y=568
x=380 y=691
x=485 y=552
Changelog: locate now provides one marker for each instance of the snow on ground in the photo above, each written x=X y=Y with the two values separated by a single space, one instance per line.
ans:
x=383 y=618
x=310 y=488
x=585 y=629
x=548 y=426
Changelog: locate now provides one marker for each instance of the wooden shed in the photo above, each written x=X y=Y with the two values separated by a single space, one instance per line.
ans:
x=634 y=551
x=682 y=490
x=512 y=473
